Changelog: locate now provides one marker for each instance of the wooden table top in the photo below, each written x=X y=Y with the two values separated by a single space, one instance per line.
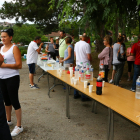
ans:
x=118 y=99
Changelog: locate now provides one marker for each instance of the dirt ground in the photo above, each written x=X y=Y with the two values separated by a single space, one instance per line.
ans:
x=44 y=118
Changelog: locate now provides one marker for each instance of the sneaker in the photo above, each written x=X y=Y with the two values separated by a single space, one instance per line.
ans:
x=133 y=90
x=16 y=131
x=111 y=81
x=34 y=87
x=9 y=123
x=31 y=85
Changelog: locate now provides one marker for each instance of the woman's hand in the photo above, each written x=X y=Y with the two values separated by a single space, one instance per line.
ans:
x=61 y=61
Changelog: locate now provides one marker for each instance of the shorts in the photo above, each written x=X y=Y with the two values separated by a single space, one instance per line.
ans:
x=114 y=67
x=31 y=68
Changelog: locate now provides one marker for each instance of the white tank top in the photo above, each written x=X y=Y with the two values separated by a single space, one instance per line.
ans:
x=8 y=59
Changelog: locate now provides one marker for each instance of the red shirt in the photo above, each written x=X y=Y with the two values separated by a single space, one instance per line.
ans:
x=136 y=51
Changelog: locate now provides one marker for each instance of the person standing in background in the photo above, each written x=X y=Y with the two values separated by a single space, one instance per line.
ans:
x=50 y=48
x=62 y=44
x=130 y=60
x=118 y=66
x=69 y=52
x=106 y=56
x=82 y=51
x=135 y=51
x=57 y=48
x=32 y=55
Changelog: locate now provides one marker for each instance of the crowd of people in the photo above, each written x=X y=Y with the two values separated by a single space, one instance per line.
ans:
x=68 y=51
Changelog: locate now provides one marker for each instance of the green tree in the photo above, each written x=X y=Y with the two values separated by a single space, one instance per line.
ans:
x=44 y=38
x=25 y=33
x=98 y=16
x=32 y=10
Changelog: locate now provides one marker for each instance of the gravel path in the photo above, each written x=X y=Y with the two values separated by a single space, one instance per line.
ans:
x=44 y=118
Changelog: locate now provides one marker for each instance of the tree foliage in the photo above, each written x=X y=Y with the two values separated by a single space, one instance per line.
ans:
x=32 y=10
x=98 y=16
x=25 y=33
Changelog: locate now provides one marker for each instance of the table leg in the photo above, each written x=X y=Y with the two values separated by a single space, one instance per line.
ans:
x=67 y=102
x=41 y=75
x=48 y=83
x=110 y=130
x=51 y=87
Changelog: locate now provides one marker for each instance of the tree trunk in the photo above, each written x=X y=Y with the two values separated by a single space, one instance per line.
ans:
x=115 y=36
x=99 y=42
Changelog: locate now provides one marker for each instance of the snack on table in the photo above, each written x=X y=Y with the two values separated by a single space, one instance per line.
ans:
x=49 y=65
x=44 y=54
x=44 y=58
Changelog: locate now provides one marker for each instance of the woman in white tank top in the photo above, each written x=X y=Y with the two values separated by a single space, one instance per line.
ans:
x=9 y=78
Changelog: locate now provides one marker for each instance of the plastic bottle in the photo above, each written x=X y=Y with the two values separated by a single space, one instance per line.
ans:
x=91 y=73
x=87 y=75
x=137 y=95
x=77 y=73
x=82 y=75
x=57 y=63
x=102 y=71
x=99 y=85
x=49 y=57
x=80 y=70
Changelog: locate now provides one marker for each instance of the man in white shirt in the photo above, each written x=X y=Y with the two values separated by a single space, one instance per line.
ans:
x=82 y=51
x=32 y=55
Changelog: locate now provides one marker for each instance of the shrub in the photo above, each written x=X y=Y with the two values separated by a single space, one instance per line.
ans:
x=23 y=52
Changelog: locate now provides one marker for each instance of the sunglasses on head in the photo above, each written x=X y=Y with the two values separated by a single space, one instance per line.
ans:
x=5 y=30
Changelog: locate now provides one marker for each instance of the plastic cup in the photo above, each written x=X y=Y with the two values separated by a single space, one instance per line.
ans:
x=90 y=88
x=72 y=80
x=103 y=84
x=60 y=73
x=52 y=66
x=85 y=84
x=44 y=64
x=75 y=81
x=71 y=73
x=70 y=68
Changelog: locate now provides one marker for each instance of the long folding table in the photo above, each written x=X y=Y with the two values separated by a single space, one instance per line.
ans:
x=113 y=97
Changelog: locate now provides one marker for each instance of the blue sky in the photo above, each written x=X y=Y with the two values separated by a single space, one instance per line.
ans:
x=7 y=20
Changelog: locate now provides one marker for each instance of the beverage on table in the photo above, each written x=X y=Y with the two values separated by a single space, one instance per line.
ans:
x=57 y=63
x=102 y=71
x=77 y=73
x=99 y=85
x=137 y=95
x=87 y=73
x=91 y=73
x=80 y=71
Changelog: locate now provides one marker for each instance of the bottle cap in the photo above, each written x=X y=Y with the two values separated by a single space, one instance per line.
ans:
x=81 y=63
x=87 y=63
x=99 y=74
x=101 y=64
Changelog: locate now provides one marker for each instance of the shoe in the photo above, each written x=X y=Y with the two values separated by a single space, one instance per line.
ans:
x=34 y=87
x=111 y=81
x=31 y=85
x=128 y=79
x=133 y=90
x=77 y=96
x=10 y=123
x=16 y=131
